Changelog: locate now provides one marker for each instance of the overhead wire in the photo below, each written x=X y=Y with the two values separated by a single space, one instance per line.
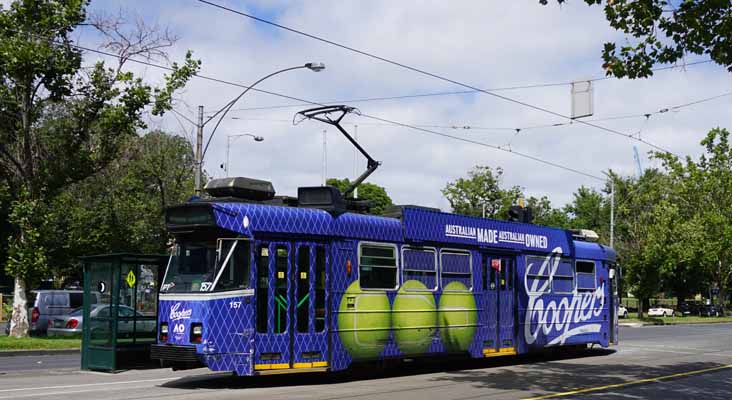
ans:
x=449 y=93
x=433 y=75
x=468 y=126
x=396 y=123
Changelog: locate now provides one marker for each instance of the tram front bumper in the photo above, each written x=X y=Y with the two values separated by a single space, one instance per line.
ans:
x=177 y=357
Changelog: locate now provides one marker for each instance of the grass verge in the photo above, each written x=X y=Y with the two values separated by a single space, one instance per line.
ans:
x=674 y=320
x=38 y=343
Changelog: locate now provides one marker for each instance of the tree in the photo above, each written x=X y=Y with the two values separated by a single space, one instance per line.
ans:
x=705 y=192
x=60 y=122
x=376 y=194
x=481 y=190
x=640 y=234
x=665 y=31
x=586 y=211
x=122 y=207
x=545 y=214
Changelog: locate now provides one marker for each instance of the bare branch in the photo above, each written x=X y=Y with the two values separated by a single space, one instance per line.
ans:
x=129 y=35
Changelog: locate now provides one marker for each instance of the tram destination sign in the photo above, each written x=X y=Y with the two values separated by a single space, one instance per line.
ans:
x=427 y=225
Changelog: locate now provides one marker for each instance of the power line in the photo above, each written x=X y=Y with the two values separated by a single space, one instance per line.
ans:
x=208 y=78
x=424 y=130
x=492 y=146
x=467 y=126
x=448 y=93
x=432 y=75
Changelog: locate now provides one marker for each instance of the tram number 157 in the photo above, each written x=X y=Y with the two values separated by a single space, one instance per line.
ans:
x=235 y=304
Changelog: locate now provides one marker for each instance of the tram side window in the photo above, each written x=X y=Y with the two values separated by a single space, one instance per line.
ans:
x=236 y=274
x=563 y=280
x=456 y=267
x=377 y=267
x=586 y=275
x=537 y=275
x=262 y=287
x=420 y=264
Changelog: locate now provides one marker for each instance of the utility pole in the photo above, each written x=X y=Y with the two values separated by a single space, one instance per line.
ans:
x=199 y=152
x=612 y=211
x=612 y=207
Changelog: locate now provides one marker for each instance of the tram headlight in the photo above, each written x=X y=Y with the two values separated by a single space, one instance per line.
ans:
x=163 y=331
x=196 y=332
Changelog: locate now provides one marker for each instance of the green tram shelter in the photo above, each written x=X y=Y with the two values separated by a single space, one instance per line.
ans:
x=120 y=310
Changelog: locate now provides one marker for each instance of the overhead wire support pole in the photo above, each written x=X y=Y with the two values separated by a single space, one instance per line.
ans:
x=322 y=114
x=199 y=153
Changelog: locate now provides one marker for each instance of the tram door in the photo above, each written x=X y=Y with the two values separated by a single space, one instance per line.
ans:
x=290 y=306
x=500 y=295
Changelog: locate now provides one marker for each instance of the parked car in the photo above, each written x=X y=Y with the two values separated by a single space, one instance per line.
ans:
x=71 y=324
x=687 y=308
x=43 y=305
x=708 y=310
x=661 y=311
x=622 y=311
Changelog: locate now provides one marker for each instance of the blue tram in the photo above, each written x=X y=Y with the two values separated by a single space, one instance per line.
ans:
x=260 y=284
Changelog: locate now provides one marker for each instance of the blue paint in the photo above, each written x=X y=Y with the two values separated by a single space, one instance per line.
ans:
x=536 y=299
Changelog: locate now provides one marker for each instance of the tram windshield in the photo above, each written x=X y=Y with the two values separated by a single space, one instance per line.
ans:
x=196 y=266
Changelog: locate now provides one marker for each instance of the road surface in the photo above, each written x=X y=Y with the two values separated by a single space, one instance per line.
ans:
x=663 y=362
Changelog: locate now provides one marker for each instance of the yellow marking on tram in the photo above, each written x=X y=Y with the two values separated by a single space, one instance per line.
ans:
x=316 y=364
x=506 y=351
x=618 y=385
x=260 y=367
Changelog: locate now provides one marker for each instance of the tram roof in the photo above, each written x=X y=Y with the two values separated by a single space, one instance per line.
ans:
x=594 y=251
x=415 y=224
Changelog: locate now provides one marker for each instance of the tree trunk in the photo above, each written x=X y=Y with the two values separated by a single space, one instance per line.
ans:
x=720 y=299
x=641 y=302
x=19 y=321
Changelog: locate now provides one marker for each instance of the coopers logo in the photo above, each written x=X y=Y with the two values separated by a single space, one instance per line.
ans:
x=561 y=319
x=176 y=313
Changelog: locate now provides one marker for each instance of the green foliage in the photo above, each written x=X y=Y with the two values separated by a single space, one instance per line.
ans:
x=122 y=207
x=60 y=123
x=665 y=31
x=703 y=196
x=545 y=214
x=481 y=189
x=585 y=211
x=26 y=254
x=376 y=194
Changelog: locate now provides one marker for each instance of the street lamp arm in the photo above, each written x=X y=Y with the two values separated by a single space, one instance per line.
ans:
x=228 y=106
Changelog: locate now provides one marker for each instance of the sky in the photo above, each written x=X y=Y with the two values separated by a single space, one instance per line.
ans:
x=486 y=44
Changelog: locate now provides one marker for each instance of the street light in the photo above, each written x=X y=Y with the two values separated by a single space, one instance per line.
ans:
x=313 y=66
x=228 y=144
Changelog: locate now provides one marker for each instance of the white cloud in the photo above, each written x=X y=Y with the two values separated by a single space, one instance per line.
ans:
x=487 y=44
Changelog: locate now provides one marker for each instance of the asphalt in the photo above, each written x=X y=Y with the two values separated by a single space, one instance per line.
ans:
x=654 y=362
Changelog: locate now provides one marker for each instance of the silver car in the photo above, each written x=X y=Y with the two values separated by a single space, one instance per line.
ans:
x=70 y=324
